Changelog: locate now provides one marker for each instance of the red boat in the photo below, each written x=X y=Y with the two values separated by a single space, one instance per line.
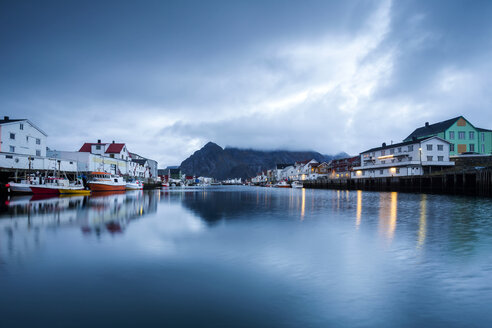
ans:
x=51 y=186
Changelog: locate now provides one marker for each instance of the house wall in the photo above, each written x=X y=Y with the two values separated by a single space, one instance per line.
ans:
x=21 y=161
x=462 y=125
x=26 y=141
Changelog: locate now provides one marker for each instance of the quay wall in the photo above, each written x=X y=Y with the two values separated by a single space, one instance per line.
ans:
x=472 y=182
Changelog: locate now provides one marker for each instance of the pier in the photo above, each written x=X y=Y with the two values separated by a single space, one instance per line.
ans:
x=472 y=181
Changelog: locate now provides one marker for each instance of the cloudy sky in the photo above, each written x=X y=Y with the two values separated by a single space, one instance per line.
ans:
x=167 y=77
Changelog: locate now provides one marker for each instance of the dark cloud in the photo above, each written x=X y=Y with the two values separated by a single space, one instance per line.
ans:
x=168 y=76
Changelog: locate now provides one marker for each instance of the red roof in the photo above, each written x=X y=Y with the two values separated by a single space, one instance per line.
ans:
x=86 y=148
x=115 y=148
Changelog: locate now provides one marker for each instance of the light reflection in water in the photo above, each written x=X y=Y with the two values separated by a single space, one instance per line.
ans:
x=359 y=208
x=388 y=214
x=422 y=222
x=303 y=203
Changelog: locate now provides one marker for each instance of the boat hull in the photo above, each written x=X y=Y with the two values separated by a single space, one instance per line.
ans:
x=106 y=187
x=41 y=190
x=20 y=187
x=75 y=192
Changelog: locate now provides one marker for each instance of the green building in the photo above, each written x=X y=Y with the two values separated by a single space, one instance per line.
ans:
x=463 y=136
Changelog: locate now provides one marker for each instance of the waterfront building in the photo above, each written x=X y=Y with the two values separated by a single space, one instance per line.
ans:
x=342 y=168
x=462 y=136
x=23 y=147
x=414 y=157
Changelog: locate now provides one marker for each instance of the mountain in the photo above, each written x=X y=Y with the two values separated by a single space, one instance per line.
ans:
x=214 y=161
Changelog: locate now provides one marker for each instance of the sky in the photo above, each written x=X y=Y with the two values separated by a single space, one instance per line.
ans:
x=166 y=77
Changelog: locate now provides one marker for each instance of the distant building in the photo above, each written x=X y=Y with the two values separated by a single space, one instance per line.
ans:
x=174 y=173
x=408 y=158
x=342 y=168
x=462 y=136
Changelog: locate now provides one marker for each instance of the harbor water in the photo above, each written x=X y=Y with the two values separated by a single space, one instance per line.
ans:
x=243 y=256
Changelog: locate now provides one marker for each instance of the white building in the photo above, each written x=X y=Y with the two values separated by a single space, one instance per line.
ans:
x=21 y=136
x=414 y=157
x=23 y=147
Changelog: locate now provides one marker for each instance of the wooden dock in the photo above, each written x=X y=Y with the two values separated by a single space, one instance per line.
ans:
x=476 y=181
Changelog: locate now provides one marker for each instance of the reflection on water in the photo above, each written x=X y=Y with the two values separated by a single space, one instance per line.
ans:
x=232 y=255
x=422 y=221
x=388 y=209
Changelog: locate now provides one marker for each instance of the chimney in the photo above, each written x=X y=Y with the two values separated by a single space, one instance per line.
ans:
x=426 y=124
x=113 y=141
x=6 y=118
x=98 y=140
x=384 y=144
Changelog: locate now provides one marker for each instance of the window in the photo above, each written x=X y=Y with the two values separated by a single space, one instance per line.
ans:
x=429 y=147
x=440 y=158
x=381 y=171
x=399 y=149
x=461 y=135
x=111 y=155
x=12 y=149
x=392 y=151
x=451 y=135
x=12 y=136
x=451 y=147
x=483 y=136
x=409 y=158
x=471 y=135
x=363 y=172
x=38 y=152
x=21 y=126
x=429 y=158
x=410 y=148
x=472 y=147
x=440 y=147
x=98 y=147
x=9 y=156
x=397 y=170
x=382 y=152
x=382 y=162
x=483 y=149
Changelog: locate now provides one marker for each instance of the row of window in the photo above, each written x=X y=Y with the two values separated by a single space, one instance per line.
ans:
x=462 y=135
x=12 y=150
x=471 y=147
x=12 y=137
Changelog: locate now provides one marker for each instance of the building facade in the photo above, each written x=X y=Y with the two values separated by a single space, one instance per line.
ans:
x=404 y=159
x=21 y=136
x=462 y=136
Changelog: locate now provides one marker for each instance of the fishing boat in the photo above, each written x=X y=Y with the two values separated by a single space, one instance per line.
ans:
x=282 y=184
x=134 y=185
x=297 y=184
x=102 y=181
x=51 y=186
x=165 y=184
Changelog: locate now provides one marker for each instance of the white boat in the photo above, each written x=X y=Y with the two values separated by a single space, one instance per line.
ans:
x=19 y=187
x=297 y=184
x=134 y=185
x=282 y=184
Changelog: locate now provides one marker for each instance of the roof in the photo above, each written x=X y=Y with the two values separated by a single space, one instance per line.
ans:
x=402 y=144
x=483 y=130
x=7 y=120
x=86 y=147
x=115 y=148
x=433 y=129
x=11 y=121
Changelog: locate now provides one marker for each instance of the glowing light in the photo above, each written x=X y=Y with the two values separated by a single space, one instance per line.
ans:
x=359 y=172
x=359 y=208
x=387 y=156
x=392 y=170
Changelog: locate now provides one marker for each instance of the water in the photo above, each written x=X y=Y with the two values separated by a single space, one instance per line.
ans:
x=246 y=257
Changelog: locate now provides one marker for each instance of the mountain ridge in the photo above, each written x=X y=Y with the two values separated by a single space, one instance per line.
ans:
x=230 y=162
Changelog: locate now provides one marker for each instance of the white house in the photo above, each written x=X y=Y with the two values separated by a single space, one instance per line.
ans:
x=21 y=136
x=415 y=157
x=23 y=146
